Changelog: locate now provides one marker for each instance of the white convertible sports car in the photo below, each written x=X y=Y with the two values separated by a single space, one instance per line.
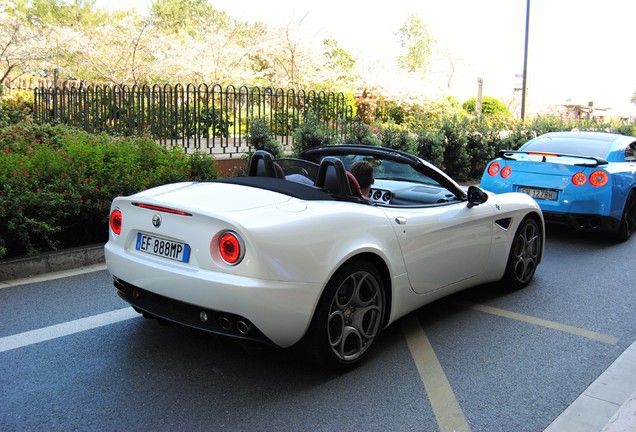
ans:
x=288 y=255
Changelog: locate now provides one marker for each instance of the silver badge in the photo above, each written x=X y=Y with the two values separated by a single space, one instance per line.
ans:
x=156 y=221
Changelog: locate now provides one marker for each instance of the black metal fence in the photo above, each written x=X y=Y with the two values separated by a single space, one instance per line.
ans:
x=196 y=117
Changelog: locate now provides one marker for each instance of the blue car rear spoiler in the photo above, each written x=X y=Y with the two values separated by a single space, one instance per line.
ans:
x=595 y=161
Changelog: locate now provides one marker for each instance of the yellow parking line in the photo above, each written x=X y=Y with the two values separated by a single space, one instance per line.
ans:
x=611 y=340
x=448 y=413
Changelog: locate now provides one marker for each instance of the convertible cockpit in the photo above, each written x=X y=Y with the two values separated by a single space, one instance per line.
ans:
x=399 y=180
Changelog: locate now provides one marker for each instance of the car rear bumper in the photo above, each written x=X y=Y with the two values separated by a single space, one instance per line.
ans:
x=153 y=305
x=583 y=222
x=273 y=312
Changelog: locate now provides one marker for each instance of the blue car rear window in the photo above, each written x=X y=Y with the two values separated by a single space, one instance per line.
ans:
x=569 y=146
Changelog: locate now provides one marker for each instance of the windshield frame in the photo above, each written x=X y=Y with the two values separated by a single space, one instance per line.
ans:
x=316 y=154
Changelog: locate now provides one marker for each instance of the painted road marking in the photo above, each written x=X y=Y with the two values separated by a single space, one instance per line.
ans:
x=448 y=413
x=446 y=408
x=611 y=340
x=68 y=328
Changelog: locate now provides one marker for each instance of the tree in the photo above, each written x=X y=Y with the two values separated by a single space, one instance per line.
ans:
x=125 y=51
x=415 y=42
x=222 y=50
x=186 y=16
x=79 y=13
x=23 y=40
x=339 y=65
x=284 y=60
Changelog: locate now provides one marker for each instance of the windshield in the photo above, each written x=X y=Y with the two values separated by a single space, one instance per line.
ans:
x=389 y=170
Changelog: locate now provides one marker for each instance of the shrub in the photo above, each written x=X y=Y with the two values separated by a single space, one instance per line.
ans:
x=396 y=137
x=429 y=145
x=456 y=159
x=260 y=137
x=16 y=108
x=361 y=133
x=490 y=107
x=479 y=146
x=57 y=183
x=311 y=133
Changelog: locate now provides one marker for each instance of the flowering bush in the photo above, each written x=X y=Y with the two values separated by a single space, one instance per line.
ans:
x=16 y=107
x=57 y=183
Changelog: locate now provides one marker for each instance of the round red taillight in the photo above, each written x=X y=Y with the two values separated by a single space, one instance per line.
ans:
x=599 y=178
x=116 y=221
x=493 y=169
x=506 y=172
x=230 y=248
x=579 y=179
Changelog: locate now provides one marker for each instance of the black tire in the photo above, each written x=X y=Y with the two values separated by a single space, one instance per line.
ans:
x=524 y=255
x=628 y=221
x=348 y=319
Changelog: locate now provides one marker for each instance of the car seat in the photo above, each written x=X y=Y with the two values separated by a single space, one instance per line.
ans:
x=262 y=165
x=332 y=177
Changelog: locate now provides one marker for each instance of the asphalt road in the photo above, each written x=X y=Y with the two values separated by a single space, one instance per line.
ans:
x=73 y=356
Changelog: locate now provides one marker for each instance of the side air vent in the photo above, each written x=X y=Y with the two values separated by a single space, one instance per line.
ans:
x=504 y=223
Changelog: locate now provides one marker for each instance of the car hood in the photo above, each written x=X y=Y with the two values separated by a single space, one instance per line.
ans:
x=210 y=196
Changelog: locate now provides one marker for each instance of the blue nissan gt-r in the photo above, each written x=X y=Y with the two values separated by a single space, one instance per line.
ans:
x=586 y=180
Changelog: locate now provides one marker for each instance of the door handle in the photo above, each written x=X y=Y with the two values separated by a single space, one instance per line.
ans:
x=400 y=220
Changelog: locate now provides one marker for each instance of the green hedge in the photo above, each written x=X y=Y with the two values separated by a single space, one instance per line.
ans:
x=57 y=183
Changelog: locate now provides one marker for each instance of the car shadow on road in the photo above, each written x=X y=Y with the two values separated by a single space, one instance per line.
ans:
x=563 y=234
x=208 y=355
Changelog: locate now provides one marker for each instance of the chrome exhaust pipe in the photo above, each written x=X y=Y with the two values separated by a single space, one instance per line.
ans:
x=118 y=284
x=224 y=323
x=243 y=327
x=595 y=223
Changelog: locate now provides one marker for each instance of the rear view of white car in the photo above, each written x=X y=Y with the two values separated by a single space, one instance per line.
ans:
x=270 y=259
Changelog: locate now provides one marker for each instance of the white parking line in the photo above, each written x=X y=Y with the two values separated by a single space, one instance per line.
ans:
x=68 y=328
x=448 y=413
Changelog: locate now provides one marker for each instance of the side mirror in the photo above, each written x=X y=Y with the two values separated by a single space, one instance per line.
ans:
x=476 y=196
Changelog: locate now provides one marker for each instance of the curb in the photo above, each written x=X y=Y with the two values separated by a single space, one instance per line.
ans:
x=625 y=419
x=67 y=259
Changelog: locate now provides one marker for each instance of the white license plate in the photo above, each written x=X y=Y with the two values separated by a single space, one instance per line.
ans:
x=544 y=194
x=162 y=247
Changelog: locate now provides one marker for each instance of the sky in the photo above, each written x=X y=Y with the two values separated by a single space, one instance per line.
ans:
x=579 y=51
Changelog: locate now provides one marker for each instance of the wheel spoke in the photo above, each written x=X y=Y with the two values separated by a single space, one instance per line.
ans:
x=355 y=315
x=352 y=344
x=366 y=321
x=336 y=325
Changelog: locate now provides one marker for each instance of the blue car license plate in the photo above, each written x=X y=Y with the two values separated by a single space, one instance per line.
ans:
x=163 y=247
x=543 y=194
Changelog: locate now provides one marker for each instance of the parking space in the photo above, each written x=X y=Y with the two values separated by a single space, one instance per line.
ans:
x=74 y=356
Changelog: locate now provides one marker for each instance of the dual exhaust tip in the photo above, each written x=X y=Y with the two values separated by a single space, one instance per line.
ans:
x=590 y=222
x=241 y=326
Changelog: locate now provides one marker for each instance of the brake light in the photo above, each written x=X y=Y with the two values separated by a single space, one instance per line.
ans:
x=230 y=248
x=542 y=154
x=493 y=169
x=162 y=209
x=599 y=178
x=579 y=179
x=116 y=220
x=506 y=172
